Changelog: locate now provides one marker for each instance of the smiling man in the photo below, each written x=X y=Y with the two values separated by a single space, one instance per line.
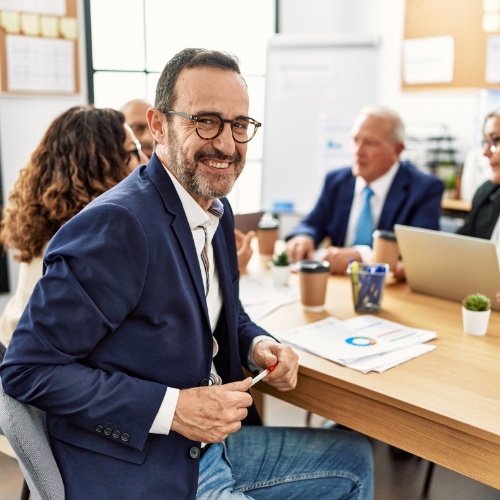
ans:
x=133 y=342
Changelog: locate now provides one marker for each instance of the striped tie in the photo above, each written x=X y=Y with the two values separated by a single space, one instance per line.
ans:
x=217 y=209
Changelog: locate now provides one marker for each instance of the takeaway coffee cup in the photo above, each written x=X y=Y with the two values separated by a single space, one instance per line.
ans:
x=385 y=248
x=313 y=276
x=267 y=234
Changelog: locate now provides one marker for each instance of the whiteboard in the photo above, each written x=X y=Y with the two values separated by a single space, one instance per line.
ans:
x=315 y=87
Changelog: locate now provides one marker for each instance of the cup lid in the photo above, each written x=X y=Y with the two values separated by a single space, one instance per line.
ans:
x=313 y=266
x=383 y=234
x=268 y=224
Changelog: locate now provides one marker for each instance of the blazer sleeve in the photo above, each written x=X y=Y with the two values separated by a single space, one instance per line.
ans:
x=83 y=296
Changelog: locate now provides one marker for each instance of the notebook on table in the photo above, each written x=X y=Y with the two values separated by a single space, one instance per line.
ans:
x=448 y=265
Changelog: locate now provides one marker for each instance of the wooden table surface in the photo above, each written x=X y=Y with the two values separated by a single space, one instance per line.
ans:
x=443 y=406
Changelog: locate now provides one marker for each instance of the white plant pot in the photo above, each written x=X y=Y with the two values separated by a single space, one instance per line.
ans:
x=280 y=274
x=475 y=322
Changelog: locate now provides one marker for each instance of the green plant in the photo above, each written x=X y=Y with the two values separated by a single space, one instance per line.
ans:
x=476 y=302
x=281 y=259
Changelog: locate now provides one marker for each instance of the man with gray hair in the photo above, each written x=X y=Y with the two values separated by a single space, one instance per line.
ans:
x=376 y=192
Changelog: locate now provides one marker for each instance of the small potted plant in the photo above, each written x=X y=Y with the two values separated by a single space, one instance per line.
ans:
x=476 y=309
x=281 y=268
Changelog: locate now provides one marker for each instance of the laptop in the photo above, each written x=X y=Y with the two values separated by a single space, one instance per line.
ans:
x=448 y=265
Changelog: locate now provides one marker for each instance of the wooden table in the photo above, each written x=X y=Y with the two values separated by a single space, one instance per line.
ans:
x=443 y=406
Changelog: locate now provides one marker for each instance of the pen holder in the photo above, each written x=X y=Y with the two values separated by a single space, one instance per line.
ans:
x=368 y=281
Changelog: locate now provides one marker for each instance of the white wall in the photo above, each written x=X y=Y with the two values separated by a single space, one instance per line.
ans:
x=23 y=121
x=457 y=109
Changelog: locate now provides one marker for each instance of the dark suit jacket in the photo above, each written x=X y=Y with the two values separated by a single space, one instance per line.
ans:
x=484 y=213
x=119 y=315
x=414 y=199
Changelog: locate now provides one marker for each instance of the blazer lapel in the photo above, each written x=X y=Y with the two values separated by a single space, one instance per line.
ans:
x=396 y=197
x=180 y=226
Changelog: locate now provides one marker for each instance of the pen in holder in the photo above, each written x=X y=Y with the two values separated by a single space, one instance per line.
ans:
x=367 y=282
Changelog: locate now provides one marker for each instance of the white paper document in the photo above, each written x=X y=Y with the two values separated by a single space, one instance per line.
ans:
x=260 y=299
x=364 y=343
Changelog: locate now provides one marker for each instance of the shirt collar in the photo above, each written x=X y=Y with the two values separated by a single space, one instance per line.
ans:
x=379 y=186
x=196 y=216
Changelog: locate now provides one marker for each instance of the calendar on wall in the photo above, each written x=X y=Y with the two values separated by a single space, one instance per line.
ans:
x=39 y=47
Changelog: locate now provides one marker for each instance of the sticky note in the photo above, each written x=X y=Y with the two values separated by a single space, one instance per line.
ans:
x=68 y=27
x=30 y=24
x=10 y=21
x=49 y=26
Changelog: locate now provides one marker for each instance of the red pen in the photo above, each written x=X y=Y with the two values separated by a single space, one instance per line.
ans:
x=263 y=374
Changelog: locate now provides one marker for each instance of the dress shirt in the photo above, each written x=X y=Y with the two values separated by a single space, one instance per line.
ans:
x=197 y=217
x=380 y=188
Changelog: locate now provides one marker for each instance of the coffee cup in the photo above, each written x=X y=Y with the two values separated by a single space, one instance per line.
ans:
x=385 y=248
x=267 y=235
x=313 y=277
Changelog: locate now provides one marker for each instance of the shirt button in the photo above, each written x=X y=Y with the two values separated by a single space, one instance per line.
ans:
x=107 y=431
x=98 y=428
x=204 y=382
x=194 y=452
x=116 y=434
x=125 y=437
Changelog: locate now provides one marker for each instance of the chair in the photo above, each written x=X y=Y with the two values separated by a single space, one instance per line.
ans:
x=25 y=428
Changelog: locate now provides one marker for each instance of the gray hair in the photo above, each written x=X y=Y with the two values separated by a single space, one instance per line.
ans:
x=398 y=134
x=495 y=113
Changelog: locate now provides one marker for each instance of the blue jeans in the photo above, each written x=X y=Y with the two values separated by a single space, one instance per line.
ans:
x=286 y=463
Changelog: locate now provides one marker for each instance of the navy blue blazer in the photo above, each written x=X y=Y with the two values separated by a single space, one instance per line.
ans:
x=119 y=315
x=414 y=199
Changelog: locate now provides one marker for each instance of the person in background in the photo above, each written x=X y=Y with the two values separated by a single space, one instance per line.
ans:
x=135 y=116
x=84 y=152
x=243 y=248
x=377 y=192
x=483 y=221
x=135 y=337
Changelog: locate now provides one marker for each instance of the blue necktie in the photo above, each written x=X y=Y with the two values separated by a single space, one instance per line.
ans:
x=364 y=228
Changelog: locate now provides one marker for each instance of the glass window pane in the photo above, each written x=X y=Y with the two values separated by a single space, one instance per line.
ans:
x=113 y=90
x=239 y=27
x=245 y=195
x=152 y=81
x=118 y=34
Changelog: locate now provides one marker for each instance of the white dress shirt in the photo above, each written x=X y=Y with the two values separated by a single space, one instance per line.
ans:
x=197 y=217
x=380 y=188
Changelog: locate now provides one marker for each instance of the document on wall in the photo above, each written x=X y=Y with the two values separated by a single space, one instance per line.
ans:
x=260 y=299
x=38 y=64
x=364 y=343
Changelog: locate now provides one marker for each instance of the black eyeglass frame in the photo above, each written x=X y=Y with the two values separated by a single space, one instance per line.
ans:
x=491 y=143
x=136 y=152
x=196 y=119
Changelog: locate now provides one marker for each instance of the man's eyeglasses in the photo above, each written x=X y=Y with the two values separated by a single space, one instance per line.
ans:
x=492 y=143
x=210 y=125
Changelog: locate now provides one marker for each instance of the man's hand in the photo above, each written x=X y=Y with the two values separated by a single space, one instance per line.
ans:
x=243 y=248
x=210 y=414
x=269 y=353
x=339 y=257
x=300 y=247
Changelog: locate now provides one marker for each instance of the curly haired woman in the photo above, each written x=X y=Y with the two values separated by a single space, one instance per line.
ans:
x=84 y=152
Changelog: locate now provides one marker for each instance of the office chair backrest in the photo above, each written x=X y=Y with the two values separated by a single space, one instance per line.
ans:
x=25 y=428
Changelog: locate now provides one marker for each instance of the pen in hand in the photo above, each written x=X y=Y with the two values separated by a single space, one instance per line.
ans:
x=263 y=374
